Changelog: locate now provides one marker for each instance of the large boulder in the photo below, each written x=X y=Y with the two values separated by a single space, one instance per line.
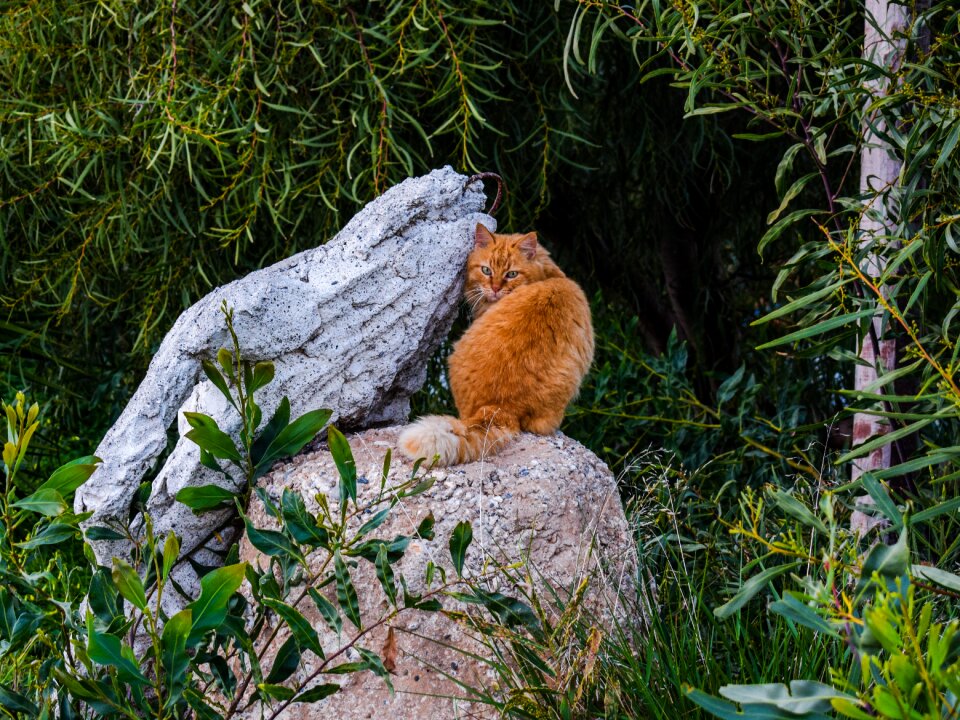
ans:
x=545 y=502
x=349 y=325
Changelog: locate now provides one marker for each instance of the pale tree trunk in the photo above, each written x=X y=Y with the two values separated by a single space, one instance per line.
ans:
x=884 y=45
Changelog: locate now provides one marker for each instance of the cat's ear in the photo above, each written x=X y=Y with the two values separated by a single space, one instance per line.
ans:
x=483 y=236
x=528 y=245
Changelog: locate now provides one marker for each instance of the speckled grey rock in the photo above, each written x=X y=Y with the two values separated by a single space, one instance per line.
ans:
x=546 y=501
x=349 y=325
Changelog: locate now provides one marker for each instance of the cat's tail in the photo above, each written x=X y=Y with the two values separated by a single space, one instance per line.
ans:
x=452 y=440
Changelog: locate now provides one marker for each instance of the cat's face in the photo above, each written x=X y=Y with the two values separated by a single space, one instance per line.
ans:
x=499 y=264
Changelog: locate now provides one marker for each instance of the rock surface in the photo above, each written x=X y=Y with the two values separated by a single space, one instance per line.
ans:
x=349 y=325
x=545 y=500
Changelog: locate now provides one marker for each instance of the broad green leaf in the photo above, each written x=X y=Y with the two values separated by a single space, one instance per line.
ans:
x=128 y=582
x=100 y=532
x=171 y=552
x=13 y=702
x=173 y=653
x=291 y=439
x=50 y=535
x=72 y=475
x=263 y=373
x=211 y=438
x=210 y=609
x=270 y=542
x=803 y=697
x=751 y=587
x=206 y=497
x=346 y=594
x=317 y=692
x=425 y=528
x=327 y=611
x=301 y=629
x=108 y=650
x=459 y=542
x=45 y=502
x=343 y=457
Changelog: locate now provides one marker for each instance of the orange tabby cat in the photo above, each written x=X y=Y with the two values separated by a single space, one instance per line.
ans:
x=521 y=361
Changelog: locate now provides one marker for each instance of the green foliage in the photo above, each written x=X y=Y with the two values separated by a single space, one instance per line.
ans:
x=153 y=153
x=257 y=452
x=905 y=661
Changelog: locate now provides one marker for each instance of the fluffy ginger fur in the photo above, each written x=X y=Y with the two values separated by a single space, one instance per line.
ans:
x=521 y=361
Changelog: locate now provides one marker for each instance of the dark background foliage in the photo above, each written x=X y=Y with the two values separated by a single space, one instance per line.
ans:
x=153 y=153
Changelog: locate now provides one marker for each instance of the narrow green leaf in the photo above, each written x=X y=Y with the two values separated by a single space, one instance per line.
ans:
x=343 y=457
x=277 y=692
x=171 y=552
x=72 y=475
x=782 y=224
x=128 y=582
x=210 y=370
x=327 y=611
x=99 y=532
x=346 y=593
x=821 y=327
x=794 y=609
x=801 y=302
x=317 y=692
x=796 y=509
x=882 y=499
x=301 y=629
x=14 y=702
x=385 y=575
x=459 y=542
x=950 y=506
x=881 y=440
x=300 y=523
x=751 y=587
x=206 y=497
x=291 y=439
x=285 y=663
x=271 y=542
x=280 y=420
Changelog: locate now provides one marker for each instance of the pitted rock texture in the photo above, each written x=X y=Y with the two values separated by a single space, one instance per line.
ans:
x=349 y=325
x=546 y=501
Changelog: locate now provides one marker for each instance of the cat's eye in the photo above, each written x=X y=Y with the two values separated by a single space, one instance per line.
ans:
x=512 y=274
x=485 y=270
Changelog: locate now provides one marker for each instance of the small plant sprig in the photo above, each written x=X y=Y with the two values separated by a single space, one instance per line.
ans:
x=256 y=453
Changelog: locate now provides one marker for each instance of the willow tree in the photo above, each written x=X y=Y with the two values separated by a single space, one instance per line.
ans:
x=850 y=91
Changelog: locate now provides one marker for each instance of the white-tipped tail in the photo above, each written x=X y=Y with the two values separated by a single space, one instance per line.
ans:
x=450 y=440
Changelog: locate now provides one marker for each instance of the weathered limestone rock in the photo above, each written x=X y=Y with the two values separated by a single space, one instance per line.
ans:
x=546 y=500
x=349 y=325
